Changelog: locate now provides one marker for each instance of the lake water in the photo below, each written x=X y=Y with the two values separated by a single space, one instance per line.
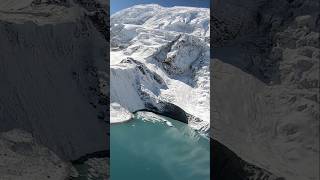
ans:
x=158 y=148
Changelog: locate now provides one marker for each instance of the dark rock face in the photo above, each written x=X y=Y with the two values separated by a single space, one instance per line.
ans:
x=174 y=112
x=169 y=110
x=146 y=71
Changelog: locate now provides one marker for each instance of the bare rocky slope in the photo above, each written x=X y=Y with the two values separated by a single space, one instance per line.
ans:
x=52 y=69
x=265 y=85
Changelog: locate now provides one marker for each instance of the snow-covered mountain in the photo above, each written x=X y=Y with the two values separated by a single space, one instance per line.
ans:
x=52 y=59
x=52 y=70
x=266 y=84
x=160 y=58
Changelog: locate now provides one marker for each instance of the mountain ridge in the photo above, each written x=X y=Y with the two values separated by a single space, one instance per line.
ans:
x=172 y=44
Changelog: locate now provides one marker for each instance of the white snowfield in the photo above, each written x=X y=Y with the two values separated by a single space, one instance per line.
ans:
x=161 y=54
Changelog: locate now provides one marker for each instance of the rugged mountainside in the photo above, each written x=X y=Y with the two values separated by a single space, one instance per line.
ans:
x=52 y=68
x=266 y=84
x=160 y=62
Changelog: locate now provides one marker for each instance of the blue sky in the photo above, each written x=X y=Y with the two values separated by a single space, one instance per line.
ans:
x=116 y=5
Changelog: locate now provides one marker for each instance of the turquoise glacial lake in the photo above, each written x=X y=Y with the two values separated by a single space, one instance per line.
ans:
x=158 y=148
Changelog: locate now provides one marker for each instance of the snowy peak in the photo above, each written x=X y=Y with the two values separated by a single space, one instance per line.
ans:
x=137 y=15
x=180 y=19
x=169 y=67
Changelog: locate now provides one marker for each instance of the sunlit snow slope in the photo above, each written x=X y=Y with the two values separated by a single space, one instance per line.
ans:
x=160 y=55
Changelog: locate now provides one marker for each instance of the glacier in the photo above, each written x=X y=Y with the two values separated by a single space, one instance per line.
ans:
x=158 y=56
